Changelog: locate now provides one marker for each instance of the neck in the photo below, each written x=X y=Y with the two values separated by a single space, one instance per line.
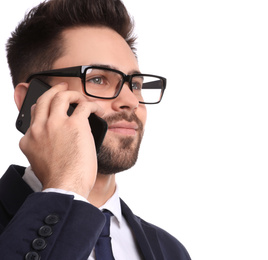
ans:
x=103 y=190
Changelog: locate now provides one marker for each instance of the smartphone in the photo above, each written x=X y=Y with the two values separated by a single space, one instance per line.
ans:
x=36 y=89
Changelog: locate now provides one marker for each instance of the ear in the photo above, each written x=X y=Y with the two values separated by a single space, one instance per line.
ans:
x=20 y=93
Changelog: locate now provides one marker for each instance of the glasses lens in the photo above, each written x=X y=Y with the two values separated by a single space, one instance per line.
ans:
x=148 y=89
x=102 y=83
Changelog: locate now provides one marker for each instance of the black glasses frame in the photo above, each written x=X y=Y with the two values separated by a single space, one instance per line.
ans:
x=80 y=72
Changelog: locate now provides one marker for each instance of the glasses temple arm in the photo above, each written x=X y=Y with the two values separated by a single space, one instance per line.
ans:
x=158 y=84
x=68 y=72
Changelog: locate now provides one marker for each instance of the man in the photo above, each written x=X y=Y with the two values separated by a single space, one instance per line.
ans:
x=60 y=206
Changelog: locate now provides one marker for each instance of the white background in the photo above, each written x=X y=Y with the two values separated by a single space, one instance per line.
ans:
x=202 y=169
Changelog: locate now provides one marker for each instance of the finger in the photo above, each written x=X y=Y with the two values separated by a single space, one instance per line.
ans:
x=42 y=109
x=85 y=108
x=61 y=102
x=32 y=113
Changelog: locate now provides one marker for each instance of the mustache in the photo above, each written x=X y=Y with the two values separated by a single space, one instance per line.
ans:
x=110 y=119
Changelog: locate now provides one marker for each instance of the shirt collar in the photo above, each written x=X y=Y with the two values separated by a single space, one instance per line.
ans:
x=114 y=206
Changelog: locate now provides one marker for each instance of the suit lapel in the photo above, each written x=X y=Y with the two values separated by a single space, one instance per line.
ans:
x=144 y=233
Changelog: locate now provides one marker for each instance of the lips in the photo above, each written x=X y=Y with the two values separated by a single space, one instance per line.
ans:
x=124 y=128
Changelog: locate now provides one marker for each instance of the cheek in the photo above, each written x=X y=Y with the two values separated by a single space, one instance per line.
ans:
x=143 y=111
x=142 y=114
x=104 y=104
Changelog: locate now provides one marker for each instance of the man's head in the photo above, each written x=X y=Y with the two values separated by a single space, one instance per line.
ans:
x=65 y=33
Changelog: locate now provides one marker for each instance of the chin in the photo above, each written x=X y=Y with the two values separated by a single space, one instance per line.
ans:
x=115 y=158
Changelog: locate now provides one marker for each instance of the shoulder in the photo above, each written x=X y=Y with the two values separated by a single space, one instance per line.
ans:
x=168 y=243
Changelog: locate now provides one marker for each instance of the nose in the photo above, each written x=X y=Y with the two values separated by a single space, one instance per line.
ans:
x=126 y=100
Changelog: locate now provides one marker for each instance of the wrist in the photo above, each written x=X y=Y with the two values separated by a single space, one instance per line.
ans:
x=76 y=195
x=72 y=190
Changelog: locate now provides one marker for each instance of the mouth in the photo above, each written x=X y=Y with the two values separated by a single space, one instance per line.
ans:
x=124 y=128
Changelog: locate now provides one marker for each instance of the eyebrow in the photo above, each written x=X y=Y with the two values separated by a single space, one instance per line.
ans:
x=115 y=68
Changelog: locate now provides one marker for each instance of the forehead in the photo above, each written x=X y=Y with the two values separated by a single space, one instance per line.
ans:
x=96 y=45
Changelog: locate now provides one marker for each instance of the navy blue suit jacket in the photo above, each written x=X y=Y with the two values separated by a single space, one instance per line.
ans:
x=53 y=226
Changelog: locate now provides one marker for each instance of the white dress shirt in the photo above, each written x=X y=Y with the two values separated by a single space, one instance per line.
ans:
x=123 y=242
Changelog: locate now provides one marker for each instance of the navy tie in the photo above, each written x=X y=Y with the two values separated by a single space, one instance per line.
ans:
x=103 y=247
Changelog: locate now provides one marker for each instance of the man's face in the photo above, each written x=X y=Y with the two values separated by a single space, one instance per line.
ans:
x=125 y=116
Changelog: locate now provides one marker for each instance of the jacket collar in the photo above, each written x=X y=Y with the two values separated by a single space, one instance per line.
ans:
x=145 y=234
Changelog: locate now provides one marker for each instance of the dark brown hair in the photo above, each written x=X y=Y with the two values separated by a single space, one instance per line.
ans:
x=37 y=41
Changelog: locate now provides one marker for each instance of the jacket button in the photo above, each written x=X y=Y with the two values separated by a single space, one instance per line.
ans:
x=52 y=219
x=32 y=256
x=45 y=231
x=39 y=244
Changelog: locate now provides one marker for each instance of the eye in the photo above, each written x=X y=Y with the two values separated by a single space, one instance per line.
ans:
x=137 y=84
x=96 y=80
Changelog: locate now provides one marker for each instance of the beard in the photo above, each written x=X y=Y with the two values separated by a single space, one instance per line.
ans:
x=122 y=156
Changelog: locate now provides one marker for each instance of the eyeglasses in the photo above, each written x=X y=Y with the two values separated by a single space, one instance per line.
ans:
x=106 y=83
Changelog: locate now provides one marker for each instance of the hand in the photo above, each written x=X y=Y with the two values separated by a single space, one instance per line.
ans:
x=60 y=148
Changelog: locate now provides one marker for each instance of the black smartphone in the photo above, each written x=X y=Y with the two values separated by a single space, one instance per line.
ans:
x=36 y=89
